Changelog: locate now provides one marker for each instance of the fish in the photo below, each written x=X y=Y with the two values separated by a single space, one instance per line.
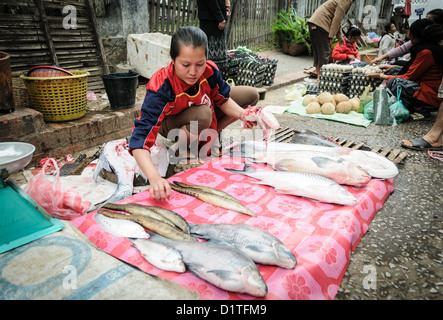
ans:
x=121 y=228
x=159 y=213
x=337 y=169
x=223 y=266
x=373 y=163
x=259 y=245
x=264 y=118
x=115 y=157
x=312 y=138
x=158 y=226
x=301 y=184
x=160 y=255
x=213 y=196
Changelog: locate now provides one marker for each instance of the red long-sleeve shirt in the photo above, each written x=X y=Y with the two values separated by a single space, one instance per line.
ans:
x=425 y=71
x=342 y=53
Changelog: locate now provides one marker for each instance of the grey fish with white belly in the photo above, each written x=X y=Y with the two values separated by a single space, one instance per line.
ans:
x=301 y=184
x=260 y=245
x=121 y=228
x=160 y=255
x=220 y=265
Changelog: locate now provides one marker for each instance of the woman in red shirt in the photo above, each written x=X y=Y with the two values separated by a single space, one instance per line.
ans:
x=421 y=77
x=188 y=101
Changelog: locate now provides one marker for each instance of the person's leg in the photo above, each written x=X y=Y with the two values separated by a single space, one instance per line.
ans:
x=432 y=139
x=244 y=96
x=185 y=128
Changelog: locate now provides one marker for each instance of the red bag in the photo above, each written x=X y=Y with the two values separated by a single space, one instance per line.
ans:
x=47 y=191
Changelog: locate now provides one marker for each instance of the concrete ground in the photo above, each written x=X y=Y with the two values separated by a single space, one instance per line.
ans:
x=401 y=255
x=402 y=251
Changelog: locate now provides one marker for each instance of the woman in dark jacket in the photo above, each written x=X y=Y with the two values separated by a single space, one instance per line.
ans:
x=212 y=16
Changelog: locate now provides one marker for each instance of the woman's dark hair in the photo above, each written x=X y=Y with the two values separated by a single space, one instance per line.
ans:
x=437 y=16
x=388 y=27
x=426 y=30
x=353 y=32
x=188 y=36
x=430 y=34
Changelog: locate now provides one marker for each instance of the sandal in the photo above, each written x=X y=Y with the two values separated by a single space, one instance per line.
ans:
x=421 y=144
x=420 y=116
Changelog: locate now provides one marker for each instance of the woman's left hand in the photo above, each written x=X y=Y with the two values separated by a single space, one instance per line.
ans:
x=222 y=25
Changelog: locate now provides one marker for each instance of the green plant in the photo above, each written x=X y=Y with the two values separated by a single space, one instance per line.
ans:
x=291 y=27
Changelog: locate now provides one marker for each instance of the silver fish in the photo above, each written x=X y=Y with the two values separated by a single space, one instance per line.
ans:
x=261 y=246
x=301 y=184
x=312 y=138
x=373 y=163
x=114 y=157
x=120 y=228
x=337 y=169
x=160 y=255
x=223 y=266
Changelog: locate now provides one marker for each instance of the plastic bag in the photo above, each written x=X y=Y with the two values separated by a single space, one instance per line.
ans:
x=46 y=189
x=399 y=112
x=368 y=111
x=295 y=92
x=365 y=98
x=382 y=113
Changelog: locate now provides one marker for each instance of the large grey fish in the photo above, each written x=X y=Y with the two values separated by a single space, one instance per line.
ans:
x=312 y=138
x=301 y=184
x=261 y=246
x=152 y=224
x=213 y=196
x=159 y=213
x=373 y=163
x=221 y=265
x=121 y=228
x=160 y=255
x=114 y=157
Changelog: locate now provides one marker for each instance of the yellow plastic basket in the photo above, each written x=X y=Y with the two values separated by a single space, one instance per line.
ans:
x=59 y=98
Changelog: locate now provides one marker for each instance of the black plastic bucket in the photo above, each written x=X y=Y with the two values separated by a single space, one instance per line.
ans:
x=121 y=89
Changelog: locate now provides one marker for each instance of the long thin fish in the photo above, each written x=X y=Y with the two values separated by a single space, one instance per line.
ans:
x=152 y=224
x=165 y=215
x=213 y=198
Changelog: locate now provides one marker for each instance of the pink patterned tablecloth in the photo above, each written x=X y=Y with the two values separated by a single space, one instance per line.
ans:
x=322 y=236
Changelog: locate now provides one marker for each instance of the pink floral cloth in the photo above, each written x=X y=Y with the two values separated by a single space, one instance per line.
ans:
x=321 y=235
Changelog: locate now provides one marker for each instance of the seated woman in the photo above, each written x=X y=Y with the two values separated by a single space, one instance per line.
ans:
x=346 y=52
x=388 y=41
x=421 y=77
x=187 y=101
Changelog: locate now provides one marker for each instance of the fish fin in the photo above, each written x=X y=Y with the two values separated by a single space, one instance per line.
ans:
x=102 y=164
x=253 y=248
x=322 y=162
x=223 y=274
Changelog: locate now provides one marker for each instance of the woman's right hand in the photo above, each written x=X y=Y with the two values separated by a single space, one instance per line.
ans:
x=159 y=189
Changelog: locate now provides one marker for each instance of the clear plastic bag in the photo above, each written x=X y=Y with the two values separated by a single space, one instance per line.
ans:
x=46 y=189
x=295 y=92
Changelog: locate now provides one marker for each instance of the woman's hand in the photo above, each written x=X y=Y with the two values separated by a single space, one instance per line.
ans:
x=222 y=25
x=159 y=189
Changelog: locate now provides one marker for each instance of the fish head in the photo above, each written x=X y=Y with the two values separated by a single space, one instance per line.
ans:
x=253 y=282
x=355 y=175
x=345 y=197
x=285 y=256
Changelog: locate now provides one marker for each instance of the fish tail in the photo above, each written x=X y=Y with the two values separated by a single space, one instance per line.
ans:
x=246 y=169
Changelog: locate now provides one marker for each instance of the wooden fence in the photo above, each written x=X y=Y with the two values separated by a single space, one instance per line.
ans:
x=248 y=25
